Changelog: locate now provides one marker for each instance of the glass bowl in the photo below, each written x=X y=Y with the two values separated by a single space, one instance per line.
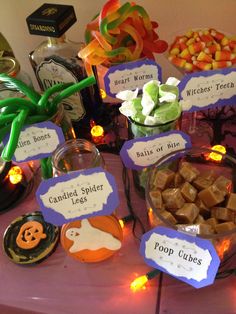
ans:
x=204 y=172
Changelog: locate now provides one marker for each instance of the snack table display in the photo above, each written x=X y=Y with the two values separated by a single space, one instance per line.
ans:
x=61 y=284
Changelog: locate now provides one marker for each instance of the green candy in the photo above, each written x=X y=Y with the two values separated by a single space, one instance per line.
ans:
x=168 y=112
x=152 y=89
x=165 y=88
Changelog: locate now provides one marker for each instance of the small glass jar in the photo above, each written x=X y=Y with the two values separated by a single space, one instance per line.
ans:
x=11 y=67
x=74 y=155
x=137 y=130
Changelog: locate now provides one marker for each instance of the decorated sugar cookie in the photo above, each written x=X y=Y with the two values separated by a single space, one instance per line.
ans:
x=92 y=240
x=30 y=239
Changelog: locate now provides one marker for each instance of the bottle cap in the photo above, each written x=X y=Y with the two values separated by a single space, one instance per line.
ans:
x=9 y=66
x=51 y=20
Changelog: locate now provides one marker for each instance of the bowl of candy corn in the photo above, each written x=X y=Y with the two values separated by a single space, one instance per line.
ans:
x=194 y=191
x=202 y=49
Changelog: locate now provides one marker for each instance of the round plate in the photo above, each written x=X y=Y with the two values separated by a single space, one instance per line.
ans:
x=92 y=240
x=29 y=239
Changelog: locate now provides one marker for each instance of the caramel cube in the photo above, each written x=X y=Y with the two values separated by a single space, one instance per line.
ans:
x=223 y=184
x=221 y=213
x=188 y=213
x=188 y=192
x=212 y=221
x=156 y=198
x=225 y=226
x=231 y=203
x=163 y=178
x=188 y=172
x=203 y=210
x=211 y=196
x=199 y=220
x=173 y=198
x=178 y=180
x=168 y=216
x=203 y=181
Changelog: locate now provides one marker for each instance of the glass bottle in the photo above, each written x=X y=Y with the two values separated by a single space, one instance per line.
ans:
x=56 y=60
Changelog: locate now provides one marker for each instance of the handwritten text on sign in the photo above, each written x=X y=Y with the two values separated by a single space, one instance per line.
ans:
x=37 y=141
x=131 y=75
x=77 y=195
x=191 y=259
x=207 y=89
x=143 y=152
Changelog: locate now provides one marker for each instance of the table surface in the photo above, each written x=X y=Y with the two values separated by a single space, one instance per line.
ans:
x=61 y=284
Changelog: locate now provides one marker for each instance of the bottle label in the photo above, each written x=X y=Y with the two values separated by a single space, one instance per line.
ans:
x=50 y=73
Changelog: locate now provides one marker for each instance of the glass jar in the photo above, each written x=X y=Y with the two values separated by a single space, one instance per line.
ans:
x=210 y=167
x=11 y=67
x=80 y=154
x=137 y=130
x=74 y=155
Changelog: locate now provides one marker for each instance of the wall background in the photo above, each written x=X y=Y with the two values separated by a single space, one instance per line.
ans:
x=174 y=18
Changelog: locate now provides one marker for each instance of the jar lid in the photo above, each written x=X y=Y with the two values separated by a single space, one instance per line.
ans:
x=30 y=239
x=9 y=66
x=92 y=240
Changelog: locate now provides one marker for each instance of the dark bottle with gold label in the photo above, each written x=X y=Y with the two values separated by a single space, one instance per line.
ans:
x=56 y=60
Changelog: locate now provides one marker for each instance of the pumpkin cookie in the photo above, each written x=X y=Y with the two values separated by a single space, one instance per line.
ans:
x=29 y=239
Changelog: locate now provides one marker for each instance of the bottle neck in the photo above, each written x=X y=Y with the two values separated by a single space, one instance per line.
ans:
x=53 y=41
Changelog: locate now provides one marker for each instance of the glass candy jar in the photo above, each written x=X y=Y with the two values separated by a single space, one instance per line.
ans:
x=137 y=130
x=89 y=233
x=193 y=191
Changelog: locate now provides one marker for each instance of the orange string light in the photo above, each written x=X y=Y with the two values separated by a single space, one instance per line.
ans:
x=15 y=175
x=214 y=156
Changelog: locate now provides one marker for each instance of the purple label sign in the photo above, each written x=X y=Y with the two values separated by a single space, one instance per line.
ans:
x=205 y=89
x=146 y=151
x=188 y=258
x=131 y=75
x=37 y=141
x=77 y=195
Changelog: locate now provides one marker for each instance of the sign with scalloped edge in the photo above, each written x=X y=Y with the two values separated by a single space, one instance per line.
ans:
x=143 y=152
x=131 y=75
x=77 y=195
x=207 y=89
x=37 y=141
x=186 y=257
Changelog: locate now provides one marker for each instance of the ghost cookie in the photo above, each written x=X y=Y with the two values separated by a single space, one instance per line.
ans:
x=92 y=240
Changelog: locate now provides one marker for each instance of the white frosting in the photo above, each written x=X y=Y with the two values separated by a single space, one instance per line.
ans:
x=90 y=238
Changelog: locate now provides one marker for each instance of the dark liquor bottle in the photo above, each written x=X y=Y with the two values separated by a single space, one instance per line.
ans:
x=56 y=60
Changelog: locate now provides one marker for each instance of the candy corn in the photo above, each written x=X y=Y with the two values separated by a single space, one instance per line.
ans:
x=205 y=49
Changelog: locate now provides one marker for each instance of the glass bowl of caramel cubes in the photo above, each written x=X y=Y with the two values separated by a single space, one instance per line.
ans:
x=194 y=191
